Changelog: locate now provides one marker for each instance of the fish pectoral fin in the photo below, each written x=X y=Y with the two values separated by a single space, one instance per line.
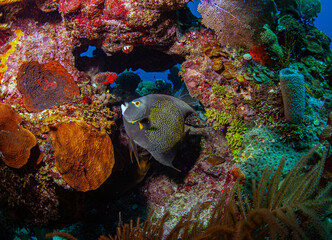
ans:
x=144 y=123
x=166 y=158
x=133 y=149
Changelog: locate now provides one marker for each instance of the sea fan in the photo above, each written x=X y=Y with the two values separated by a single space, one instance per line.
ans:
x=235 y=21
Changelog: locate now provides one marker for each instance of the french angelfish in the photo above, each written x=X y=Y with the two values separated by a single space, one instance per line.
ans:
x=156 y=122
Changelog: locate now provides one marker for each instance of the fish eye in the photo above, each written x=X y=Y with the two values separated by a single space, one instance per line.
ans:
x=137 y=103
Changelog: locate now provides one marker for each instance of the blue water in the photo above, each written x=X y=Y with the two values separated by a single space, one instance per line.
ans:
x=324 y=20
x=193 y=7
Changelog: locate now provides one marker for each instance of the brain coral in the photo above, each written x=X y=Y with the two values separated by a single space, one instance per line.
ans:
x=45 y=85
x=83 y=156
x=15 y=141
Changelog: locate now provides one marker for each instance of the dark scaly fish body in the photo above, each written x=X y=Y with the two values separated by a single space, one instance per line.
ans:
x=156 y=123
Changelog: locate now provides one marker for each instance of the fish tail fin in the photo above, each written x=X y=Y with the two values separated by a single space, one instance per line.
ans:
x=166 y=158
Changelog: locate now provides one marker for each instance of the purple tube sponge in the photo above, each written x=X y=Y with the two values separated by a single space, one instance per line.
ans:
x=293 y=94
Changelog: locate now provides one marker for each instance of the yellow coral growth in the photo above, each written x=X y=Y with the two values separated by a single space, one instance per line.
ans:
x=3 y=26
x=4 y=57
x=5 y=2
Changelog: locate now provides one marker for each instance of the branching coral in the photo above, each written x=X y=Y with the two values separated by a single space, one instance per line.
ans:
x=275 y=206
x=218 y=118
x=218 y=90
x=235 y=134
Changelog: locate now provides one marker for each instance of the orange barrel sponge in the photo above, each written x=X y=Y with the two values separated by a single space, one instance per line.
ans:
x=15 y=141
x=83 y=156
x=45 y=85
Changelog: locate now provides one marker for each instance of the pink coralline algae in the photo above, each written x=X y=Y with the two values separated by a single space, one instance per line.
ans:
x=115 y=23
x=115 y=9
x=49 y=42
x=45 y=85
x=199 y=78
x=68 y=6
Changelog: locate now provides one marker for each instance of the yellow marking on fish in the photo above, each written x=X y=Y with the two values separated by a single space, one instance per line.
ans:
x=133 y=121
x=140 y=125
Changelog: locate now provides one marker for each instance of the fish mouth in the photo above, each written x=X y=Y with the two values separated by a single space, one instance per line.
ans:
x=124 y=107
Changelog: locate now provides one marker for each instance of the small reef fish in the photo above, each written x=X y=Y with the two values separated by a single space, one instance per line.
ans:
x=127 y=49
x=111 y=78
x=156 y=123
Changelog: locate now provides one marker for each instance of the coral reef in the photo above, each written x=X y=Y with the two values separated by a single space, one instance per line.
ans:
x=305 y=9
x=15 y=141
x=47 y=5
x=11 y=50
x=326 y=134
x=79 y=179
x=269 y=38
x=45 y=85
x=128 y=81
x=28 y=196
x=149 y=87
x=49 y=42
x=8 y=11
x=145 y=88
x=271 y=211
x=116 y=23
x=262 y=146
x=83 y=156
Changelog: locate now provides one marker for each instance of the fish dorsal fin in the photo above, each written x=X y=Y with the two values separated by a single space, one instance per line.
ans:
x=183 y=94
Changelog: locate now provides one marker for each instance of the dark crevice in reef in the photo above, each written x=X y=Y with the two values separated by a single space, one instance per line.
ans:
x=150 y=60
x=32 y=11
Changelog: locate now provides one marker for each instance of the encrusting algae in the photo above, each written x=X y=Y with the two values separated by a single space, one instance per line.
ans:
x=4 y=56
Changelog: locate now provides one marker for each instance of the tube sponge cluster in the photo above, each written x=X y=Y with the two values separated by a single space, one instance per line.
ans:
x=293 y=94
